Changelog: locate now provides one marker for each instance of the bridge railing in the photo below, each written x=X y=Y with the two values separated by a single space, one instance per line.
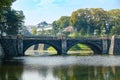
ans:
x=8 y=37
x=117 y=36
x=56 y=38
x=39 y=37
x=67 y=38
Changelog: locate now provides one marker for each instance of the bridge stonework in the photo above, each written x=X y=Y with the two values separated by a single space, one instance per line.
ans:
x=116 y=47
x=18 y=46
x=9 y=46
x=53 y=42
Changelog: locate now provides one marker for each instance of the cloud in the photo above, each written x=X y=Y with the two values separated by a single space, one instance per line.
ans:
x=53 y=3
x=45 y=2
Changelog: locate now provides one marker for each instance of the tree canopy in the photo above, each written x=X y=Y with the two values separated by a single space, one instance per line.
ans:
x=10 y=20
x=93 y=21
x=14 y=21
x=4 y=6
x=61 y=23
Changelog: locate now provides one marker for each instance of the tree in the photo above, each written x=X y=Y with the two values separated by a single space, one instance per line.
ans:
x=15 y=22
x=100 y=19
x=55 y=27
x=61 y=23
x=34 y=31
x=89 y=20
x=114 y=21
x=5 y=4
x=115 y=30
x=81 y=19
x=4 y=7
x=64 y=21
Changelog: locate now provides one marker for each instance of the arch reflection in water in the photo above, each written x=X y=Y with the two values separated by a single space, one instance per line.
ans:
x=40 y=49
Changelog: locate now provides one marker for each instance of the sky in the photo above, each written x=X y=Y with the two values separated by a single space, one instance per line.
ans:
x=36 y=11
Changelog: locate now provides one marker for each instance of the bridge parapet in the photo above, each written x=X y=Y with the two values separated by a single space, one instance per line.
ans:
x=64 y=38
x=9 y=37
x=38 y=37
x=56 y=38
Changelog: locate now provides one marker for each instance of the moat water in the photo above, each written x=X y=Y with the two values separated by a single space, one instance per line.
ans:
x=94 y=67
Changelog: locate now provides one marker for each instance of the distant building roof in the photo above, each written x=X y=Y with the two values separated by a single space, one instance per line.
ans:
x=42 y=24
x=69 y=29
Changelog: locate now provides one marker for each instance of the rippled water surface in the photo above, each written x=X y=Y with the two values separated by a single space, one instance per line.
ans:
x=61 y=68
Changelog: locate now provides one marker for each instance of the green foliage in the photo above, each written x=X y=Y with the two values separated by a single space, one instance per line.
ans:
x=61 y=23
x=80 y=47
x=10 y=20
x=75 y=47
x=64 y=21
x=4 y=7
x=72 y=35
x=115 y=30
x=114 y=19
x=51 y=49
x=90 y=21
x=14 y=21
x=55 y=27
x=34 y=31
x=5 y=4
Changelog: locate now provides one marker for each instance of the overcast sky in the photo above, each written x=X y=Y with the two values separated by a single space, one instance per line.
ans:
x=36 y=11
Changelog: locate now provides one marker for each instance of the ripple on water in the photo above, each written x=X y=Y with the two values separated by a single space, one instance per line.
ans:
x=71 y=60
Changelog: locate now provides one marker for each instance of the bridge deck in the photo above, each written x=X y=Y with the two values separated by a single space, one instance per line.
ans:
x=54 y=38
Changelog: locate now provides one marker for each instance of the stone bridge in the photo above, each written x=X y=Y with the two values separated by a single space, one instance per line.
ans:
x=14 y=46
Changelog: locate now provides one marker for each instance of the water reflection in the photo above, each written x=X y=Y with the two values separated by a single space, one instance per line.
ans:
x=39 y=53
x=85 y=73
x=38 y=68
x=8 y=71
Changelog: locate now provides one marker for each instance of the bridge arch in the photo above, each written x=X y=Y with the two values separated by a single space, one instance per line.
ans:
x=95 y=47
x=29 y=43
